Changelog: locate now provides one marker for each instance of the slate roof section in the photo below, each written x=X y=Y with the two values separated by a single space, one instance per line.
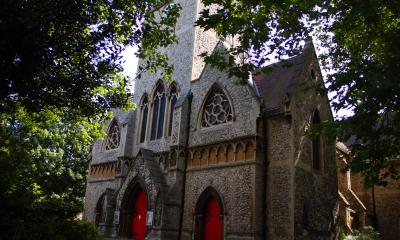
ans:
x=275 y=86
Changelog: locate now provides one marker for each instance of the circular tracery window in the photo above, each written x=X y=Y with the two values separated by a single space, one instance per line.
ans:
x=217 y=110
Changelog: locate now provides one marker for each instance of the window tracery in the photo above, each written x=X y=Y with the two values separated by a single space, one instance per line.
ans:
x=217 y=109
x=158 y=113
x=145 y=112
x=113 y=136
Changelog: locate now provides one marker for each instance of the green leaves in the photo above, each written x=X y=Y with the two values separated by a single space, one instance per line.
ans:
x=60 y=74
x=43 y=163
x=58 y=53
x=360 y=51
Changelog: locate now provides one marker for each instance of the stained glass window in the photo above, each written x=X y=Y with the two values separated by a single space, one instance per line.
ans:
x=158 y=113
x=217 y=109
x=113 y=136
x=172 y=102
x=145 y=111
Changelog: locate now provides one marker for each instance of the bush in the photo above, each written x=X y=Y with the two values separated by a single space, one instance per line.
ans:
x=80 y=230
x=367 y=234
x=54 y=229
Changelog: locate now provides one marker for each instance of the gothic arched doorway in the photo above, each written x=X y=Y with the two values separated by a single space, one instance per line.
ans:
x=209 y=216
x=133 y=213
x=212 y=220
x=139 y=212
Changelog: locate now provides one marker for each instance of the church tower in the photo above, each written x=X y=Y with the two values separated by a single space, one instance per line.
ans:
x=184 y=55
x=205 y=158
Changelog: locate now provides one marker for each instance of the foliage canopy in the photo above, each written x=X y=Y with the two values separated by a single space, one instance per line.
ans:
x=67 y=54
x=60 y=74
x=360 y=51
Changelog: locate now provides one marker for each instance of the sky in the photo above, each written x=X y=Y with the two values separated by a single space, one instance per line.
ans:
x=131 y=61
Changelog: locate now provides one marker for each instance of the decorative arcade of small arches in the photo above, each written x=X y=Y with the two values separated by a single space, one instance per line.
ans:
x=221 y=153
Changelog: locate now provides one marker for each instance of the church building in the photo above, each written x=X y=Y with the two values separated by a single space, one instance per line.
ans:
x=206 y=158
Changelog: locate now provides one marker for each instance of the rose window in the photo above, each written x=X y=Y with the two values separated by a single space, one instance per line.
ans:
x=217 y=110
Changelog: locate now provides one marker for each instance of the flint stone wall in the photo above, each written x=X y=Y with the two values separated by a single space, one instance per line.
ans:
x=237 y=190
x=315 y=192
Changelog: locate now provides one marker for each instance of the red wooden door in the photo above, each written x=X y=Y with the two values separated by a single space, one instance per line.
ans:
x=212 y=221
x=139 y=217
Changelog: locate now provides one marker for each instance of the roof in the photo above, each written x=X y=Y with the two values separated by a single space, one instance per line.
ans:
x=152 y=165
x=274 y=82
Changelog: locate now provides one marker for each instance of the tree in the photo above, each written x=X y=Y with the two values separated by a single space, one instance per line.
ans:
x=43 y=162
x=67 y=54
x=60 y=74
x=360 y=51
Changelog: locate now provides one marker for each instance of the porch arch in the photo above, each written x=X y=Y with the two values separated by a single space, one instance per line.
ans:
x=129 y=207
x=144 y=173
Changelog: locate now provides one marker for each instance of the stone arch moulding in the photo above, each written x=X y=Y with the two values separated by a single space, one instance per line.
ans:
x=172 y=86
x=155 y=87
x=126 y=205
x=215 y=86
x=100 y=210
x=200 y=214
x=143 y=97
x=142 y=175
x=205 y=195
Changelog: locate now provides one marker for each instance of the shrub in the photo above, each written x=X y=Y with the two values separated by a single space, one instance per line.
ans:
x=80 y=230
x=367 y=234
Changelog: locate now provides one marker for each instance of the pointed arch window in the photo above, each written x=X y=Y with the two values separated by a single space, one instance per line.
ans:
x=316 y=143
x=158 y=113
x=172 y=102
x=144 y=109
x=113 y=136
x=217 y=109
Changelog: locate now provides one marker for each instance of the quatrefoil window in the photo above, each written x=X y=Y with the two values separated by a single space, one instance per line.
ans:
x=217 y=109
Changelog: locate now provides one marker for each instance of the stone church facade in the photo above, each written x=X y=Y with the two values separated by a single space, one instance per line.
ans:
x=206 y=158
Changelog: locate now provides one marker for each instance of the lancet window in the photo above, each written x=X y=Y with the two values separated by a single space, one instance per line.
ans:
x=144 y=109
x=158 y=113
x=172 y=101
x=217 y=109
x=113 y=136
